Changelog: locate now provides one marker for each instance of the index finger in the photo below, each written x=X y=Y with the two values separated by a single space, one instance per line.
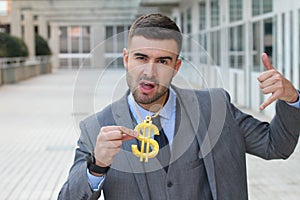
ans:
x=128 y=131
x=266 y=61
x=270 y=100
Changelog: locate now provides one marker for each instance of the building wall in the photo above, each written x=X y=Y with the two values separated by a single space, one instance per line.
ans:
x=229 y=36
x=73 y=28
x=223 y=39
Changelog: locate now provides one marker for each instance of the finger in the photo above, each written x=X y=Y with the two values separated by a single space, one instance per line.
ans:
x=266 y=61
x=114 y=144
x=265 y=75
x=267 y=83
x=270 y=100
x=268 y=90
x=128 y=131
x=110 y=135
x=127 y=137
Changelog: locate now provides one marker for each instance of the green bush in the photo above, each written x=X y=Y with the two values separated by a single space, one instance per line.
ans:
x=41 y=46
x=11 y=46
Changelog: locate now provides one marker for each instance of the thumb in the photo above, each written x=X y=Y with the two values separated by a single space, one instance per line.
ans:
x=266 y=61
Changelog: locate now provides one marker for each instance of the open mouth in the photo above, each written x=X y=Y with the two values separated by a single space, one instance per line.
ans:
x=147 y=86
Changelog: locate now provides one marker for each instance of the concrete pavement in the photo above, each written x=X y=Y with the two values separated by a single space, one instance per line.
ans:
x=39 y=129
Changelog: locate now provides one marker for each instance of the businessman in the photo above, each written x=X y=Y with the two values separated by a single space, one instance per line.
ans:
x=203 y=137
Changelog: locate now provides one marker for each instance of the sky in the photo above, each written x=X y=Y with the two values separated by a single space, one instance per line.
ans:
x=3 y=7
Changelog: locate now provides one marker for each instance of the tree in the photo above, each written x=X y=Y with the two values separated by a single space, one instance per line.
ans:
x=11 y=46
x=41 y=46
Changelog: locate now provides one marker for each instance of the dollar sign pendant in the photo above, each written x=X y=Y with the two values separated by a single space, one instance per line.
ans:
x=146 y=130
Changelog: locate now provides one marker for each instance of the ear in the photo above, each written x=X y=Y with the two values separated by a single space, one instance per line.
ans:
x=177 y=66
x=125 y=58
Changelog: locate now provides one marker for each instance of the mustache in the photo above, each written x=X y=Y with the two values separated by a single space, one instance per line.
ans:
x=145 y=78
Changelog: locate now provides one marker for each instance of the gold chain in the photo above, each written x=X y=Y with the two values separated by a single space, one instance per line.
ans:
x=145 y=128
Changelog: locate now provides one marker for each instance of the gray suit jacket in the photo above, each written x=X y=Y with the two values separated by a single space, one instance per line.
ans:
x=222 y=133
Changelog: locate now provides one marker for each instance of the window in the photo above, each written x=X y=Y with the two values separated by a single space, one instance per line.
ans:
x=22 y=32
x=262 y=42
x=203 y=48
x=256 y=46
x=236 y=10
x=63 y=40
x=182 y=22
x=75 y=34
x=75 y=39
x=121 y=38
x=189 y=20
x=267 y=6
x=116 y=40
x=108 y=32
x=261 y=6
x=237 y=47
x=86 y=38
x=215 y=43
x=49 y=31
x=202 y=15
x=109 y=47
x=215 y=12
x=36 y=30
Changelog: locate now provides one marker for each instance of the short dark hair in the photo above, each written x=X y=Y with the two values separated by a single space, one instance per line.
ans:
x=156 y=26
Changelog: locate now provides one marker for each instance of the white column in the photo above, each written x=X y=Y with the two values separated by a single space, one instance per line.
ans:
x=224 y=20
x=279 y=43
x=195 y=33
x=15 y=20
x=247 y=12
x=296 y=48
x=98 y=46
x=54 y=45
x=29 y=35
x=287 y=47
x=43 y=27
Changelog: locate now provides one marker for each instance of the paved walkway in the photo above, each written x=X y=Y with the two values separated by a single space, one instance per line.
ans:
x=39 y=130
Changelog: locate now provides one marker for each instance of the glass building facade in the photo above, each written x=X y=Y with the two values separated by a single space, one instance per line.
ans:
x=233 y=34
x=224 y=39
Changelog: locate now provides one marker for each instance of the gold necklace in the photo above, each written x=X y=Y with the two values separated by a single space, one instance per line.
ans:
x=145 y=130
x=152 y=116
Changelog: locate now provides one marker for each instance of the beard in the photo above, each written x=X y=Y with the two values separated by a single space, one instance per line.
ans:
x=142 y=98
x=147 y=99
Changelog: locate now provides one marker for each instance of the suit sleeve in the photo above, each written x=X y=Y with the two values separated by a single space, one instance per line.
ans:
x=77 y=186
x=274 y=140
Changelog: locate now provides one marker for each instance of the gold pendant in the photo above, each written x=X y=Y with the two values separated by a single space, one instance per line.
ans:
x=146 y=130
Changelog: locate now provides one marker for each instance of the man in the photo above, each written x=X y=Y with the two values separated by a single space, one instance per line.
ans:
x=205 y=136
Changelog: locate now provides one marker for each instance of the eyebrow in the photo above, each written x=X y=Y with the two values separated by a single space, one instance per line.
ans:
x=140 y=54
x=165 y=58
x=159 y=58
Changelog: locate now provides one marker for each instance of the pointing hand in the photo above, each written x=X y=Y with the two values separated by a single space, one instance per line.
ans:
x=272 y=82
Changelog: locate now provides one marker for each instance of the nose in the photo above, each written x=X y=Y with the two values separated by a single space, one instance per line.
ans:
x=150 y=69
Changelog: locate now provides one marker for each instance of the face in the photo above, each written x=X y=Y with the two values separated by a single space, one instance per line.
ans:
x=151 y=65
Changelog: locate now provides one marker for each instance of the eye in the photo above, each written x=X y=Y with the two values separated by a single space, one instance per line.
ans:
x=142 y=58
x=163 y=61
